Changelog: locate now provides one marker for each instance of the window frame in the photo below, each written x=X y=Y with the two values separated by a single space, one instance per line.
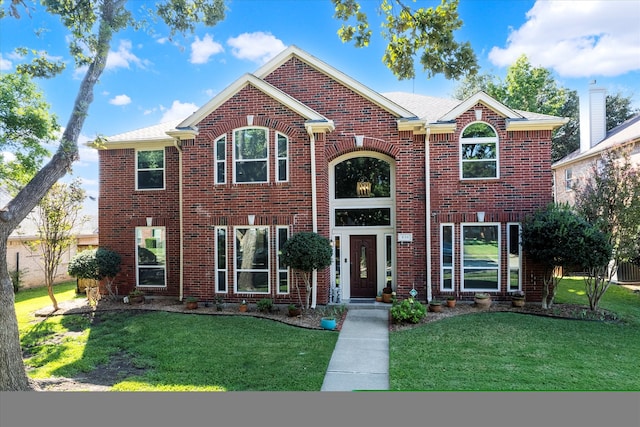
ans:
x=509 y=268
x=217 y=162
x=568 y=179
x=495 y=140
x=464 y=268
x=163 y=169
x=137 y=259
x=279 y=269
x=264 y=160
x=278 y=158
x=221 y=288
x=237 y=271
x=453 y=257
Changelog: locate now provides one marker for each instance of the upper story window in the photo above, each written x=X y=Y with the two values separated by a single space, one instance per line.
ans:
x=362 y=177
x=478 y=152
x=150 y=169
x=221 y=159
x=251 y=152
x=282 y=162
x=568 y=179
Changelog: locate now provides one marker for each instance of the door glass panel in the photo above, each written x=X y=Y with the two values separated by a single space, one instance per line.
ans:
x=363 y=262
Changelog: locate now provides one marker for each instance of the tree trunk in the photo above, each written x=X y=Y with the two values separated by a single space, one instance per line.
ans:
x=12 y=373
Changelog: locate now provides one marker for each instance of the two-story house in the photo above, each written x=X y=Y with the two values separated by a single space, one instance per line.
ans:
x=413 y=191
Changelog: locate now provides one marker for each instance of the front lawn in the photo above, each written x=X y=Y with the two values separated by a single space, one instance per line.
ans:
x=161 y=351
x=517 y=352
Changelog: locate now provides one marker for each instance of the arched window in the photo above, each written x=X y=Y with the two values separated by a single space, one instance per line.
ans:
x=478 y=152
x=362 y=177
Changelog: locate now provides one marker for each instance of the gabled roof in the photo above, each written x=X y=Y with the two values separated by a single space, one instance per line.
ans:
x=266 y=88
x=625 y=133
x=324 y=68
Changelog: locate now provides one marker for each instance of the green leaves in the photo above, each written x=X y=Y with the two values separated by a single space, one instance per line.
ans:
x=426 y=33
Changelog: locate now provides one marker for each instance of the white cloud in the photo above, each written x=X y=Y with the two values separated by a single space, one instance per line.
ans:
x=577 y=39
x=257 y=47
x=178 y=110
x=120 y=100
x=5 y=64
x=123 y=57
x=202 y=50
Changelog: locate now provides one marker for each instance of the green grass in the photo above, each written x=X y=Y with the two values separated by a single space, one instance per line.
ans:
x=515 y=352
x=175 y=352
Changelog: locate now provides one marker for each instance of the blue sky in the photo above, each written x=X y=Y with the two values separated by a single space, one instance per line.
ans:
x=150 y=79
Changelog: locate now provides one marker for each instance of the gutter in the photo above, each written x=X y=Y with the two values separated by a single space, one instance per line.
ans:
x=427 y=183
x=314 y=212
x=178 y=146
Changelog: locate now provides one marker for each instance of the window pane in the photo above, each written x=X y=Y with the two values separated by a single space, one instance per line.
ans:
x=220 y=173
x=251 y=171
x=362 y=169
x=222 y=281
x=480 y=278
x=252 y=248
x=150 y=179
x=220 y=148
x=249 y=281
x=478 y=151
x=282 y=170
x=362 y=217
x=481 y=246
x=483 y=169
x=151 y=277
x=151 y=256
x=151 y=159
x=447 y=278
x=447 y=246
x=251 y=144
x=478 y=130
x=282 y=146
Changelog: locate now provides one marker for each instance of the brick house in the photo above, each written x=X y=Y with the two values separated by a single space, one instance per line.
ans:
x=200 y=206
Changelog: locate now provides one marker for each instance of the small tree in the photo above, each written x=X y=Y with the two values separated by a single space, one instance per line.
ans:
x=56 y=217
x=610 y=200
x=553 y=236
x=306 y=252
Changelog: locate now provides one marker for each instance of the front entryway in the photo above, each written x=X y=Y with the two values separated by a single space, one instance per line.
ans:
x=363 y=271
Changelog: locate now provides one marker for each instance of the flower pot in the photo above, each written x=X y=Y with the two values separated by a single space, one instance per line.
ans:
x=136 y=299
x=482 y=302
x=379 y=298
x=387 y=298
x=191 y=305
x=293 y=312
x=517 y=302
x=451 y=303
x=242 y=308
x=435 y=308
x=328 y=323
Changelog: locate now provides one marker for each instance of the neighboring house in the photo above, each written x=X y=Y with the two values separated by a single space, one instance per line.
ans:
x=201 y=206
x=29 y=263
x=579 y=165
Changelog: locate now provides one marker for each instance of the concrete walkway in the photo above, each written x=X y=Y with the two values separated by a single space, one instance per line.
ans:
x=360 y=360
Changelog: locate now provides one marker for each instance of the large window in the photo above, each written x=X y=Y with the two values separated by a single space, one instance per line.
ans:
x=480 y=257
x=515 y=257
x=446 y=257
x=479 y=152
x=252 y=259
x=362 y=177
x=251 y=151
x=282 y=161
x=221 y=259
x=150 y=169
x=283 y=271
x=151 y=256
x=221 y=159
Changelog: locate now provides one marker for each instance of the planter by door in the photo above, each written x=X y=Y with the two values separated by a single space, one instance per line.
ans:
x=387 y=298
x=482 y=301
x=328 y=323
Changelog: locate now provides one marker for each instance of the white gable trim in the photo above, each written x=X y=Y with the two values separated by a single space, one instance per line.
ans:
x=324 y=68
x=482 y=98
x=261 y=85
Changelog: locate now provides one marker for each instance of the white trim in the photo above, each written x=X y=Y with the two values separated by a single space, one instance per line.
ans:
x=216 y=161
x=137 y=266
x=499 y=255
x=278 y=158
x=484 y=99
x=164 y=169
x=287 y=270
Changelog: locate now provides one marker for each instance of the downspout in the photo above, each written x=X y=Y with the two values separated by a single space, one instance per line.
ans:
x=181 y=256
x=314 y=211
x=427 y=183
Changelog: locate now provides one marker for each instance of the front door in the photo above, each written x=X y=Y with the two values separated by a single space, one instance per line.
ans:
x=363 y=266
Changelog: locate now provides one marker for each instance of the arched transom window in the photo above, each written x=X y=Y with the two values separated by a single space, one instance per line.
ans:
x=479 y=152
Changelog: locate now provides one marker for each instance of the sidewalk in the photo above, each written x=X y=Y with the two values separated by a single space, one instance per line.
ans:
x=360 y=360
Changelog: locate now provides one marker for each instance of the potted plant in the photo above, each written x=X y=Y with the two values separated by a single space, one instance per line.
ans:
x=136 y=296
x=379 y=297
x=191 y=303
x=482 y=299
x=328 y=322
x=219 y=303
x=451 y=301
x=294 y=310
x=243 y=307
x=387 y=294
x=435 y=306
x=517 y=299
